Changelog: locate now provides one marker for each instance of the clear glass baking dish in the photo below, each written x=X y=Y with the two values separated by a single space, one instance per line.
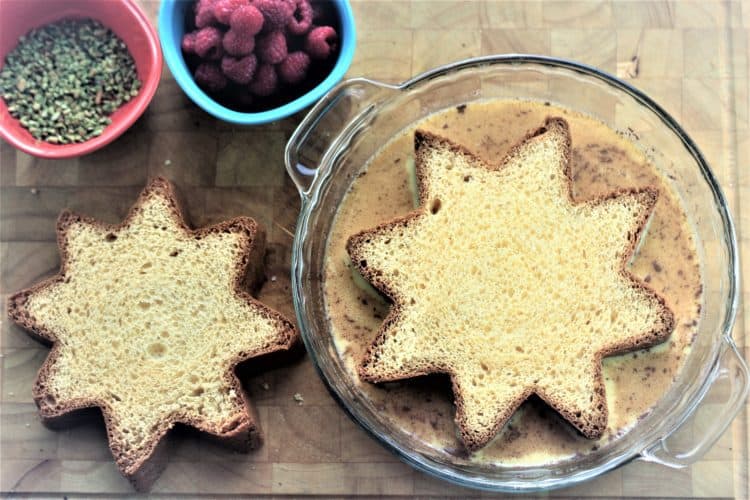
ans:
x=355 y=119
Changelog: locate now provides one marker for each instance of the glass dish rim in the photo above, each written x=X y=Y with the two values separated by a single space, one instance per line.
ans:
x=310 y=199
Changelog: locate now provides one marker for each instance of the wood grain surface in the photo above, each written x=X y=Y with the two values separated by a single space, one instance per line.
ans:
x=691 y=56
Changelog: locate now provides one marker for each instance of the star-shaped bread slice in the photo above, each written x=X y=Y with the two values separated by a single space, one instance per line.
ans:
x=148 y=320
x=501 y=281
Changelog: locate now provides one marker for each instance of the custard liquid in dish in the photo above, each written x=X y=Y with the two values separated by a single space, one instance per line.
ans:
x=602 y=161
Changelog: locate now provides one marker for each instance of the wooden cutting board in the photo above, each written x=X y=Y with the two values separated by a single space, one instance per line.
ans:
x=691 y=56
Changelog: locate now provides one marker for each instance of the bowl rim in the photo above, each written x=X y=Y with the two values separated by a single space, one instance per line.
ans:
x=428 y=465
x=176 y=64
x=115 y=129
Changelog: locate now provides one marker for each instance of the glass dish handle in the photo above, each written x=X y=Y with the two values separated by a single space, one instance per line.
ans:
x=733 y=370
x=349 y=103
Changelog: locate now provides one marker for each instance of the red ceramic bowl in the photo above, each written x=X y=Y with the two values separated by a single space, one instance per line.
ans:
x=127 y=20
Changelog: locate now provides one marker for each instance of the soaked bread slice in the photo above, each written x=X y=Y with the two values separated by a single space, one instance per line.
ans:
x=501 y=281
x=148 y=320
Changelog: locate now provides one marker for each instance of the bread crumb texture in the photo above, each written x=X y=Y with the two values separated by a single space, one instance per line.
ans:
x=501 y=281
x=149 y=319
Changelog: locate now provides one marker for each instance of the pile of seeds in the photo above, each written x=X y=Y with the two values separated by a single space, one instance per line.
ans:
x=63 y=80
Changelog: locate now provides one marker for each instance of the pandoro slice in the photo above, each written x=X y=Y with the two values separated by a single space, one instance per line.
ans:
x=148 y=320
x=501 y=281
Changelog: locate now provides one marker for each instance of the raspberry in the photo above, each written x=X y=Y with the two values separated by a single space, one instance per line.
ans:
x=208 y=43
x=204 y=13
x=239 y=70
x=293 y=69
x=321 y=41
x=223 y=9
x=275 y=12
x=188 y=43
x=301 y=19
x=247 y=20
x=272 y=47
x=209 y=77
x=265 y=81
x=238 y=44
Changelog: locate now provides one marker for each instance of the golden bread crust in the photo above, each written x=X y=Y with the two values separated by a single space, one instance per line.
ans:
x=591 y=425
x=241 y=430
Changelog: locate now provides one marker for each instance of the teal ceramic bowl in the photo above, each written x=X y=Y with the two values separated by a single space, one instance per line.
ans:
x=171 y=28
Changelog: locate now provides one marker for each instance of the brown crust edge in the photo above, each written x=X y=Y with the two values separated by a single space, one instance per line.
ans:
x=593 y=430
x=241 y=433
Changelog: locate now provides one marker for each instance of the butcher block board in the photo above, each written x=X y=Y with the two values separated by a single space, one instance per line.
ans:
x=690 y=56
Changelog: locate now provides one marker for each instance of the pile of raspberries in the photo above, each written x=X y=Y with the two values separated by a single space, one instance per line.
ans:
x=250 y=49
